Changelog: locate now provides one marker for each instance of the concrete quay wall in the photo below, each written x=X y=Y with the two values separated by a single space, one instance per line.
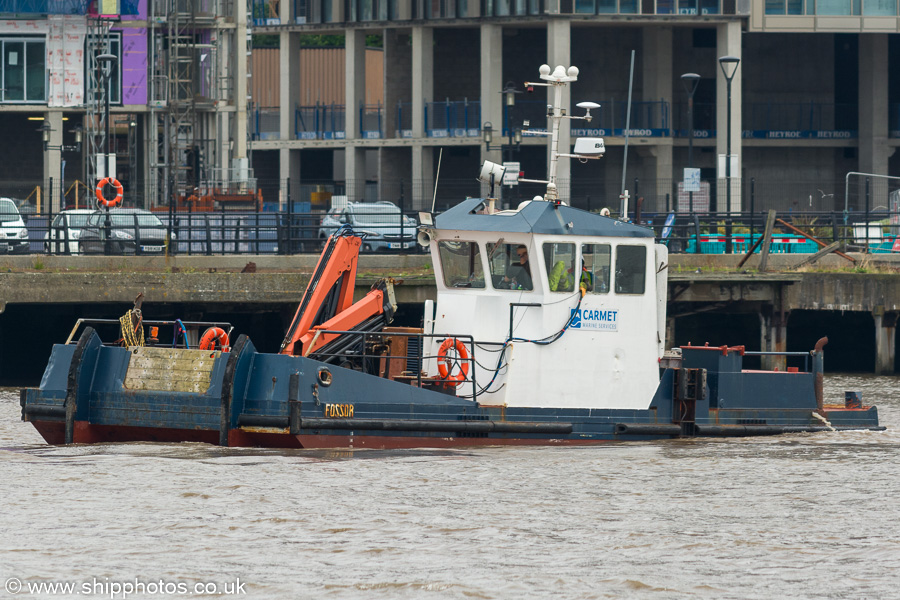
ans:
x=697 y=283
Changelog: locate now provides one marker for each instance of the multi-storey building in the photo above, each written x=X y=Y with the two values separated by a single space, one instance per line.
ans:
x=170 y=75
x=812 y=98
x=809 y=103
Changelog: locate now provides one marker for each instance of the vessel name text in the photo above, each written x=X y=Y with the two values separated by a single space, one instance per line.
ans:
x=338 y=411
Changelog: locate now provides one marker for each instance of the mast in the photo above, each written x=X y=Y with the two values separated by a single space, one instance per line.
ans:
x=584 y=148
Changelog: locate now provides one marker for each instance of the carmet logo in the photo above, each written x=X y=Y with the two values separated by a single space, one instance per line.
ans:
x=596 y=320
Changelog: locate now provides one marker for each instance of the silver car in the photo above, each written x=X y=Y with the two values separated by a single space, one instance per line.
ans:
x=65 y=231
x=131 y=231
x=379 y=221
x=13 y=233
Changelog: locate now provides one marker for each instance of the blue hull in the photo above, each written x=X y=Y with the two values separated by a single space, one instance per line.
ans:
x=274 y=400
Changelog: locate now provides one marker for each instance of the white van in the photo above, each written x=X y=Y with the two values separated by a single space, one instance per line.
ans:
x=13 y=234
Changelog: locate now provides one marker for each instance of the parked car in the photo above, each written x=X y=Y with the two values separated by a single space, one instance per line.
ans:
x=131 y=231
x=13 y=233
x=65 y=231
x=380 y=221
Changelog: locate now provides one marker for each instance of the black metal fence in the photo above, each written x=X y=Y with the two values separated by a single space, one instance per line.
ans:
x=288 y=232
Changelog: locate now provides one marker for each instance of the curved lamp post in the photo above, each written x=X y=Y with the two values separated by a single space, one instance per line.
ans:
x=729 y=65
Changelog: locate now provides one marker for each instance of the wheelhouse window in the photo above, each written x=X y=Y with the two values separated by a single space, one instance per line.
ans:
x=461 y=264
x=560 y=261
x=510 y=267
x=24 y=70
x=596 y=258
x=631 y=269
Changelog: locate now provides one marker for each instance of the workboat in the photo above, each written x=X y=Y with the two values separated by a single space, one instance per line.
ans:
x=548 y=328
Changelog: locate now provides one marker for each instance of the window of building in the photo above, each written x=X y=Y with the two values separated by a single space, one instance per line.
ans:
x=560 y=261
x=510 y=267
x=596 y=259
x=461 y=264
x=594 y=7
x=836 y=7
x=631 y=269
x=94 y=70
x=24 y=69
x=885 y=8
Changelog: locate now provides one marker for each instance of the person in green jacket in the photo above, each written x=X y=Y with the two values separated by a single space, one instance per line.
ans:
x=561 y=279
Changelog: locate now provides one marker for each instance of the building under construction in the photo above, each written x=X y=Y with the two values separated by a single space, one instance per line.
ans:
x=153 y=93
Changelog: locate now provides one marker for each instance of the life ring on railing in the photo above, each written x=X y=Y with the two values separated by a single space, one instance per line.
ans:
x=445 y=365
x=213 y=336
x=101 y=199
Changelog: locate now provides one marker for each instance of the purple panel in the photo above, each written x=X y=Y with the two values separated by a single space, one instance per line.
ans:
x=134 y=65
x=142 y=11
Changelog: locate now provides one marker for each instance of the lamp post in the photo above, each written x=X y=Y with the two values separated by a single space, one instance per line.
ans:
x=729 y=65
x=107 y=61
x=690 y=81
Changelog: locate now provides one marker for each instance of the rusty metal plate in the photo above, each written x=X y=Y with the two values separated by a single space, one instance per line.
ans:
x=170 y=369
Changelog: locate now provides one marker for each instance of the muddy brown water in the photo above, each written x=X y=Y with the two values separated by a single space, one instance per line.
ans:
x=794 y=516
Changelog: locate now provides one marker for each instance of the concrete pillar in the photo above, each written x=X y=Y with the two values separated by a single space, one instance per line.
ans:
x=658 y=86
x=355 y=173
x=422 y=92
x=423 y=177
x=288 y=100
x=873 y=105
x=773 y=331
x=289 y=170
x=729 y=44
x=559 y=53
x=394 y=168
x=397 y=66
x=885 y=340
x=53 y=162
x=354 y=91
x=422 y=77
x=670 y=333
x=289 y=76
x=491 y=84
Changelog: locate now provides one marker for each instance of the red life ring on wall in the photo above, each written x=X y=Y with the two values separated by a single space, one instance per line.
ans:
x=213 y=336
x=101 y=199
x=445 y=363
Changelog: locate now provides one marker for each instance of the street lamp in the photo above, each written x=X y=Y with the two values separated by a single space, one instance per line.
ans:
x=690 y=81
x=106 y=62
x=729 y=65
x=46 y=130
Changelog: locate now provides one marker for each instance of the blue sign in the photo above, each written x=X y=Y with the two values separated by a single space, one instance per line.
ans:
x=595 y=320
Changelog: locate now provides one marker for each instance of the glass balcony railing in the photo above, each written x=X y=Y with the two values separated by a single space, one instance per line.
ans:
x=463 y=119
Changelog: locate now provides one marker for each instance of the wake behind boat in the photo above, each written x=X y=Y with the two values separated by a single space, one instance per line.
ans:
x=548 y=328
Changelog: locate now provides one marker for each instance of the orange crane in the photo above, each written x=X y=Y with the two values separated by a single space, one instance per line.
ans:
x=328 y=306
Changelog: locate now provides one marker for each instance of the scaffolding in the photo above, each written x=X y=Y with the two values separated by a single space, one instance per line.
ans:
x=95 y=95
x=192 y=135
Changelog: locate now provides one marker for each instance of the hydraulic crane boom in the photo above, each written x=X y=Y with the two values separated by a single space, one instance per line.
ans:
x=328 y=301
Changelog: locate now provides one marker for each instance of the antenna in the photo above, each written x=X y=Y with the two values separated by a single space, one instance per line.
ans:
x=622 y=213
x=437 y=178
x=585 y=148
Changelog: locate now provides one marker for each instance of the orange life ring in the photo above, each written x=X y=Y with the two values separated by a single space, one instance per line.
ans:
x=212 y=336
x=444 y=365
x=101 y=199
